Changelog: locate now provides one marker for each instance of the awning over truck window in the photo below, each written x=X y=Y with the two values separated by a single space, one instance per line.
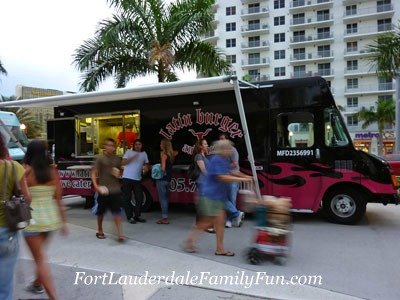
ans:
x=203 y=85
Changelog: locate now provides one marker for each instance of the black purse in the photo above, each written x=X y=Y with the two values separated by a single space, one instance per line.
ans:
x=17 y=210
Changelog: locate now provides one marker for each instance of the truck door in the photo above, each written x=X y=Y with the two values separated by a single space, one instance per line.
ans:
x=61 y=138
x=294 y=169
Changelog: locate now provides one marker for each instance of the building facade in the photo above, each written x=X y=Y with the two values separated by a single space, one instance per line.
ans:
x=277 y=39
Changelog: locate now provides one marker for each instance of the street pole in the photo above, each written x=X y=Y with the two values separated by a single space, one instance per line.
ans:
x=397 y=125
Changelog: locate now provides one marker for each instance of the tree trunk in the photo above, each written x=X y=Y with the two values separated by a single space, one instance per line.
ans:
x=397 y=125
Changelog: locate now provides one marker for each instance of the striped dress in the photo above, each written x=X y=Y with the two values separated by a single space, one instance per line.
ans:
x=45 y=212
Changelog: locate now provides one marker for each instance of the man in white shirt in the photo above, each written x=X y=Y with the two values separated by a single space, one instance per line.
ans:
x=136 y=162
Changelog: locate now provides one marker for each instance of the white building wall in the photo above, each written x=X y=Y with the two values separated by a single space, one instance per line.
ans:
x=359 y=25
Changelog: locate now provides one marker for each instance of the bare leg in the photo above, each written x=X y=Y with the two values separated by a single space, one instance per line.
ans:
x=202 y=224
x=219 y=226
x=36 y=245
x=100 y=224
x=118 y=225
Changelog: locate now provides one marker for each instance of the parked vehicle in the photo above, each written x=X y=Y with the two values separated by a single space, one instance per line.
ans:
x=289 y=134
x=394 y=162
x=14 y=136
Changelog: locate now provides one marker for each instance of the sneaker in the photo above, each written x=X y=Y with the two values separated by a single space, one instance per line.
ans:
x=228 y=224
x=140 y=220
x=36 y=289
x=132 y=221
x=238 y=221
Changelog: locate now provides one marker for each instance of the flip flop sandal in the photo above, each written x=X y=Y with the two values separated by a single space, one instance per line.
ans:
x=188 y=247
x=100 y=236
x=165 y=222
x=227 y=253
x=121 y=239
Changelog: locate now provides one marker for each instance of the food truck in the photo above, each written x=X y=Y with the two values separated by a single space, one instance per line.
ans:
x=289 y=134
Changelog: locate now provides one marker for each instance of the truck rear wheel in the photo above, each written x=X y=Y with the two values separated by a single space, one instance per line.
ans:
x=344 y=205
x=147 y=200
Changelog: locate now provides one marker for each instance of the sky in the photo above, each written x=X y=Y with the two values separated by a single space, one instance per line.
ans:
x=38 y=39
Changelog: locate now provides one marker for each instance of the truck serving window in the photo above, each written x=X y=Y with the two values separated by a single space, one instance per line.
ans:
x=335 y=135
x=295 y=130
x=92 y=130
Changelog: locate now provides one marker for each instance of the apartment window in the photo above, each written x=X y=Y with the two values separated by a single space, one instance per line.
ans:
x=323 y=15
x=254 y=8
x=279 y=37
x=254 y=75
x=281 y=71
x=279 y=4
x=384 y=5
x=299 y=53
x=231 y=26
x=254 y=41
x=384 y=24
x=385 y=84
x=352 y=65
x=324 y=51
x=352 y=83
x=323 y=33
x=299 y=71
x=352 y=47
x=230 y=43
x=351 y=28
x=324 y=69
x=231 y=11
x=254 y=58
x=351 y=10
x=385 y=97
x=279 y=54
x=299 y=36
x=254 y=24
x=279 y=21
x=231 y=59
x=352 y=102
x=352 y=120
x=299 y=19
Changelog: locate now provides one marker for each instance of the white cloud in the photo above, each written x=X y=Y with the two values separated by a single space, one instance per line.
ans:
x=38 y=39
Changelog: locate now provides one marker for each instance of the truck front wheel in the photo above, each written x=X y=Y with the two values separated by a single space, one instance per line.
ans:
x=147 y=200
x=344 y=205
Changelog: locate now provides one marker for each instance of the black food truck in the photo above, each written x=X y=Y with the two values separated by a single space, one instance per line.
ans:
x=289 y=134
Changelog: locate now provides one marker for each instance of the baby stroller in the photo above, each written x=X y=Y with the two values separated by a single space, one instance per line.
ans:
x=272 y=232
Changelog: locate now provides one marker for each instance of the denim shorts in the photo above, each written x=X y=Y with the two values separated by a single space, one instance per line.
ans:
x=9 y=246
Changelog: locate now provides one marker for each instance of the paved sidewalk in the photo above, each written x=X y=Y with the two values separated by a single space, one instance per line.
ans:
x=82 y=252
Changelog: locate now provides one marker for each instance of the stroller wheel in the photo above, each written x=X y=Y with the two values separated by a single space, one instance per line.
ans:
x=279 y=260
x=253 y=256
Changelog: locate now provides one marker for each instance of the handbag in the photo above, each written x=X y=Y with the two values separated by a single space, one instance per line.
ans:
x=17 y=210
x=156 y=172
x=194 y=171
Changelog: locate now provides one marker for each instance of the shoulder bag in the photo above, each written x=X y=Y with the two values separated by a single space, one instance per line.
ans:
x=16 y=209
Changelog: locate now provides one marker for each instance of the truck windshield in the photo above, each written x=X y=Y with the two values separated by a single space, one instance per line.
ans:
x=335 y=132
x=19 y=135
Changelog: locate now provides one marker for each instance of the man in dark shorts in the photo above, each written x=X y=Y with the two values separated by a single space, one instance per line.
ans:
x=105 y=177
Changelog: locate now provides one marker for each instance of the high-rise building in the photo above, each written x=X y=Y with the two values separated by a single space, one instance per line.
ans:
x=277 y=39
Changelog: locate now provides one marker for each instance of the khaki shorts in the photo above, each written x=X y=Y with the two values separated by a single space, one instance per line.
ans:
x=209 y=208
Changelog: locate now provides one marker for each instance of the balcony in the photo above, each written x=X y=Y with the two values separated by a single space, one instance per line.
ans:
x=255 y=62
x=255 y=12
x=258 y=77
x=360 y=71
x=252 y=1
x=369 y=13
x=381 y=89
x=211 y=37
x=301 y=74
x=255 y=46
x=324 y=73
x=254 y=29
x=297 y=6
x=308 y=22
x=355 y=53
x=319 y=38
x=368 y=31
x=311 y=57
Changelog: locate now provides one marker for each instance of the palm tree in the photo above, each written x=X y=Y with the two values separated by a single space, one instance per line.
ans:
x=2 y=69
x=33 y=128
x=383 y=115
x=148 y=37
x=386 y=59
